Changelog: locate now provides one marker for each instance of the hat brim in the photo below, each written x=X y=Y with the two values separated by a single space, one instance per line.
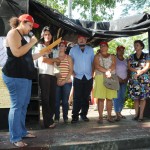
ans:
x=35 y=25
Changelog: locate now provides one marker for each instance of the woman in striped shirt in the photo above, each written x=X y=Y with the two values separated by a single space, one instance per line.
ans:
x=64 y=83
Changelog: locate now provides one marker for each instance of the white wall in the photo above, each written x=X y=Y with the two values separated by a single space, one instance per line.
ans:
x=3 y=54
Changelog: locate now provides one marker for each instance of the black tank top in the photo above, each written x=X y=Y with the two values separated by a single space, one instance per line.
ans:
x=19 y=67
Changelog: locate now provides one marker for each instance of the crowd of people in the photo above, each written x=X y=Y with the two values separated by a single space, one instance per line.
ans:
x=80 y=71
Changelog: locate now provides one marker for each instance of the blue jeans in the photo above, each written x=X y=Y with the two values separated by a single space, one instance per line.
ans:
x=119 y=101
x=20 y=92
x=62 y=93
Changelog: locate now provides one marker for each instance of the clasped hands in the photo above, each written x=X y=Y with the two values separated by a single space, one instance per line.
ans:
x=61 y=83
x=108 y=73
x=138 y=73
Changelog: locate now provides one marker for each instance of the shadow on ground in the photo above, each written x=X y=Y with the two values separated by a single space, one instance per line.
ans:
x=122 y=135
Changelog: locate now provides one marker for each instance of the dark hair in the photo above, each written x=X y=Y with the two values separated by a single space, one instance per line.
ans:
x=46 y=28
x=140 y=42
x=14 y=22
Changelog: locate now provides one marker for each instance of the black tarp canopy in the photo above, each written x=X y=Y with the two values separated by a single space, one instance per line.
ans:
x=68 y=29
x=96 y=31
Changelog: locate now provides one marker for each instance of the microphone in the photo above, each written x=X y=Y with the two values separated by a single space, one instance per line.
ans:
x=31 y=34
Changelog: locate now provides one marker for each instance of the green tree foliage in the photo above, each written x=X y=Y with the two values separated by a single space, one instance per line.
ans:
x=129 y=103
x=55 y=4
x=138 y=6
x=104 y=10
x=101 y=9
x=127 y=42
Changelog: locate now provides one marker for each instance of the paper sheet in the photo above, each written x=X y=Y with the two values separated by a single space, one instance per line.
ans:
x=48 y=48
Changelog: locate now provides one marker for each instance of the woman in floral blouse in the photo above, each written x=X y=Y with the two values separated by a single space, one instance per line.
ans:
x=139 y=82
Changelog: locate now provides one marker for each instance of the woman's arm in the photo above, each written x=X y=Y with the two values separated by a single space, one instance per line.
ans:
x=145 y=68
x=113 y=65
x=62 y=82
x=13 y=41
x=97 y=64
x=93 y=69
x=36 y=56
x=70 y=68
x=51 y=61
x=37 y=52
x=130 y=68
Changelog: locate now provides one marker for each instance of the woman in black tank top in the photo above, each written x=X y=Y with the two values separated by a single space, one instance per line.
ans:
x=17 y=74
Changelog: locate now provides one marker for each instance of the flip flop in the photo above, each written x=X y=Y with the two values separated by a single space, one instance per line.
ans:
x=100 y=121
x=135 y=118
x=110 y=120
x=122 y=117
x=117 y=119
x=29 y=135
x=140 y=120
x=20 y=144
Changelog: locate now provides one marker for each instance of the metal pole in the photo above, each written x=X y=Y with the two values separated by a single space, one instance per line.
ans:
x=90 y=10
x=69 y=8
x=149 y=40
x=27 y=6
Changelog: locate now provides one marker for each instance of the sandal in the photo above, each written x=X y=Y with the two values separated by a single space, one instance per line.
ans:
x=29 y=135
x=135 y=118
x=140 y=120
x=100 y=120
x=117 y=119
x=122 y=117
x=110 y=120
x=20 y=144
x=52 y=126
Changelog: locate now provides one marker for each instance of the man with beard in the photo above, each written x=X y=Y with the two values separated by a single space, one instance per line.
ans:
x=82 y=56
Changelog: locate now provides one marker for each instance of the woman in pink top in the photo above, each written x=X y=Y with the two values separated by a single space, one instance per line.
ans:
x=122 y=73
x=64 y=83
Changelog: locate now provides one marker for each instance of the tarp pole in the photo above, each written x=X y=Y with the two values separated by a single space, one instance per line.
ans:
x=70 y=9
x=149 y=41
x=28 y=6
x=90 y=10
